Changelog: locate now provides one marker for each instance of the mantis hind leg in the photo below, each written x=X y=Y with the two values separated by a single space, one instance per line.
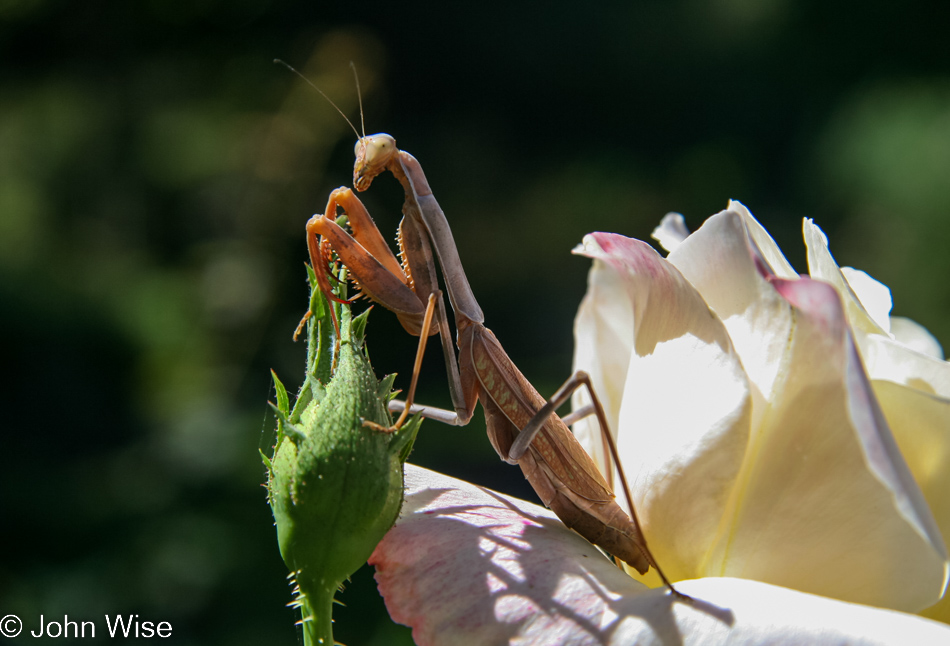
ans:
x=533 y=427
x=520 y=446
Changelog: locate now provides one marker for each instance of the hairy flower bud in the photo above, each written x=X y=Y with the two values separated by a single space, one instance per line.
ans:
x=335 y=485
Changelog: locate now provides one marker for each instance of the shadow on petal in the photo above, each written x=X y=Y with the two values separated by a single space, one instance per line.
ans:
x=465 y=565
x=469 y=566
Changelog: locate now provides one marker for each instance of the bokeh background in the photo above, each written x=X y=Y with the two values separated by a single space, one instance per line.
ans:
x=157 y=169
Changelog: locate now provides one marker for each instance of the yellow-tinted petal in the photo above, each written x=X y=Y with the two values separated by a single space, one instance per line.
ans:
x=828 y=505
x=822 y=265
x=684 y=420
x=603 y=341
x=917 y=363
x=874 y=296
x=916 y=337
x=921 y=426
x=890 y=360
x=722 y=261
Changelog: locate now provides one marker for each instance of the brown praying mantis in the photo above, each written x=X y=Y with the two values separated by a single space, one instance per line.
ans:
x=522 y=427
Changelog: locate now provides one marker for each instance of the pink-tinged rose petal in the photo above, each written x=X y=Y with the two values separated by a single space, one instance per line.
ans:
x=603 y=341
x=767 y=614
x=763 y=241
x=722 y=261
x=828 y=505
x=917 y=405
x=686 y=410
x=822 y=265
x=885 y=357
x=465 y=565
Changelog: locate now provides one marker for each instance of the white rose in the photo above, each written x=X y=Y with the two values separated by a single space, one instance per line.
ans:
x=788 y=447
x=757 y=413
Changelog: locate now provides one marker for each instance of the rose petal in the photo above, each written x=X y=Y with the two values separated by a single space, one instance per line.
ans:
x=828 y=504
x=764 y=242
x=912 y=357
x=892 y=361
x=684 y=422
x=603 y=342
x=912 y=360
x=874 y=296
x=671 y=231
x=921 y=426
x=464 y=565
x=786 y=499
x=766 y=614
x=723 y=262
x=916 y=337
x=822 y=265
x=886 y=357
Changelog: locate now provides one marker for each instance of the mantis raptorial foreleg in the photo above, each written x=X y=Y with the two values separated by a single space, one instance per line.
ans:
x=521 y=425
x=400 y=287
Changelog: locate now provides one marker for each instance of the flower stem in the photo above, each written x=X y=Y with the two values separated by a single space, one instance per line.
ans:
x=316 y=608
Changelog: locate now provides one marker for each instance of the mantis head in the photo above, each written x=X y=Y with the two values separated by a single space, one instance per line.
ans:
x=373 y=154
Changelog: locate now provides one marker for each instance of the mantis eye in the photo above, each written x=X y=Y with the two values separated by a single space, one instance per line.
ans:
x=376 y=148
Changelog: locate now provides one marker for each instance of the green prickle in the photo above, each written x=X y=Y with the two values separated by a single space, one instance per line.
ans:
x=335 y=486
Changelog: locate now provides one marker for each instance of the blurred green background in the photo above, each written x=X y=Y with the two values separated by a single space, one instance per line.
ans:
x=157 y=169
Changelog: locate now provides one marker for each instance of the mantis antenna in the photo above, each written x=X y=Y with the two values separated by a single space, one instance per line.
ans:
x=359 y=96
x=311 y=84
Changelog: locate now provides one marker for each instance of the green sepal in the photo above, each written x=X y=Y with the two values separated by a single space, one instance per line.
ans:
x=304 y=397
x=283 y=401
x=316 y=301
x=317 y=390
x=267 y=462
x=283 y=405
x=404 y=439
x=291 y=431
x=385 y=390
x=340 y=290
x=358 y=328
x=320 y=346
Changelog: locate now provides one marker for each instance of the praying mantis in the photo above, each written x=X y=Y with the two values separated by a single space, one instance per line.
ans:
x=522 y=427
